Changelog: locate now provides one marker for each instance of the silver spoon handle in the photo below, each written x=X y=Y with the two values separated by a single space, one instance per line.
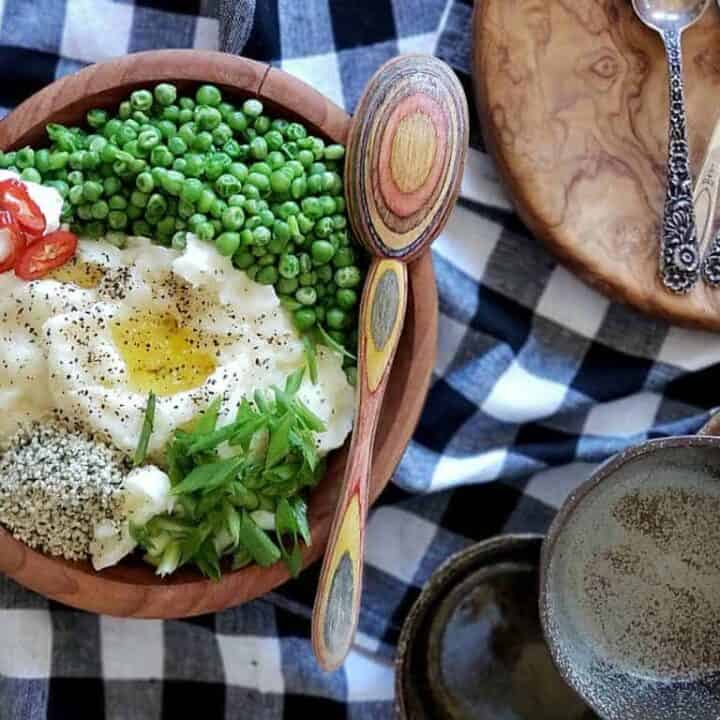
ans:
x=679 y=256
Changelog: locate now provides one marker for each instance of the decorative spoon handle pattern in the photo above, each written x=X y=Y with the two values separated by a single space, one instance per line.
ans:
x=679 y=258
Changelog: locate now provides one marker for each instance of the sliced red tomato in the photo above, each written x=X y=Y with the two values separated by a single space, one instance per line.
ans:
x=12 y=241
x=15 y=198
x=46 y=254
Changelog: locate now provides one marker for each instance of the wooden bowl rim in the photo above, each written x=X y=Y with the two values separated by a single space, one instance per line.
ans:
x=188 y=593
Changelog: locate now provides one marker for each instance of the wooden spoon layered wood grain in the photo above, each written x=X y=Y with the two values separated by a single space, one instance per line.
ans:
x=406 y=153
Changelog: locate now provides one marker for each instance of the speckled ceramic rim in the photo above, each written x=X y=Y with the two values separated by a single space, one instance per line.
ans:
x=605 y=471
x=452 y=571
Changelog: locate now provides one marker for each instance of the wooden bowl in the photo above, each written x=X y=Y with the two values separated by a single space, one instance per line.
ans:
x=131 y=589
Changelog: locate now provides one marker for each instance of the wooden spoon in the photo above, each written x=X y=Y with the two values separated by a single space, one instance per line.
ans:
x=405 y=157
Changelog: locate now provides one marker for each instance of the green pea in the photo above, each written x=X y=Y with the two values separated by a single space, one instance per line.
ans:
x=139 y=199
x=336 y=318
x=208 y=95
x=304 y=318
x=311 y=208
x=92 y=190
x=227 y=185
x=287 y=286
x=237 y=200
x=225 y=109
x=298 y=189
x=347 y=277
x=262 y=124
x=307 y=278
x=195 y=220
x=306 y=296
x=96 y=118
x=305 y=224
x=75 y=194
x=179 y=240
x=172 y=182
x=305 y=158
x=267 y=276
x=232 y=148
x=30 y=174
x=322 y=251
x=237 y=121
x=125 y=110
x=275 y=160
x=185 y=115
x=100 y=210
x=295 y=131
x=193 y=165
x=58 y=160
x=84 y=211
x=252 y=108
x=250 y=191
x=259 y=148
x=223 y=134
x=42 y=160
x=305 y=263
x=261 y=236
x=176 y=145
x=246 y=237
x=165 y=94
x=334 y=152
x=274 y=139
x=252 y=271
x=324 y=273
x=239 y=170
x=207 y=118
x=267 y=259
x=243 y=259
x=227 y=243
x=324 y=227
x=187 y=133
x=288 y=208
x=261 y=182
x=116 y=238
x=217 y=164
x=344 y=257
x=117 y=219
x=205 y=231
x=141 y=228
x=155 y=208
x=134 y=212
x=280 y=181
x=191 y=190
x=233 y=218
x=161 y=156
x=346 y=298
x=202 y=142
x=145 y=182
x=205 y=201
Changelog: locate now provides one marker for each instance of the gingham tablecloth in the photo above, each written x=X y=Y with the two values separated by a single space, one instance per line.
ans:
x=538 y=378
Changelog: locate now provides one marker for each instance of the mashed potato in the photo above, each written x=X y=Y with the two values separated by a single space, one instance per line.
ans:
x=91 y=341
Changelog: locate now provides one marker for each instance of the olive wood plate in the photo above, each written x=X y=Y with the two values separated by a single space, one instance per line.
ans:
x=131 y=589
x=573 y=100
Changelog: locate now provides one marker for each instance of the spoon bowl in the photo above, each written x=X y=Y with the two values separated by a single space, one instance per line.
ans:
x=668 y=15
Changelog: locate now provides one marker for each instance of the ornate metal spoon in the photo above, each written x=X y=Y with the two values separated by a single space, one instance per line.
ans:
x=679 y=255
x=405 y=157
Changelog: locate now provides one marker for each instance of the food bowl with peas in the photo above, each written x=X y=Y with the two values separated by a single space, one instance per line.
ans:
x=180 y=146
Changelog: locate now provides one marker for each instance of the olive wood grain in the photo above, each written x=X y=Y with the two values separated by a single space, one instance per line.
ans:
x=405 y=156
x=131 y=588
x=572 y=97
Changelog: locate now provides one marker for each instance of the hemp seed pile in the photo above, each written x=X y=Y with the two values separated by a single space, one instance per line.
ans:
x=55 y=485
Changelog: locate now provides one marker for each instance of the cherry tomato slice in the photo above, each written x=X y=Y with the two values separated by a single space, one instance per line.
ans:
x=46 y=254
x=12 y=241
x=15 y=198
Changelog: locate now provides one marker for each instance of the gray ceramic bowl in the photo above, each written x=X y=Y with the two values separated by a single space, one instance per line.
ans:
x=630 y=584
x=472 y=646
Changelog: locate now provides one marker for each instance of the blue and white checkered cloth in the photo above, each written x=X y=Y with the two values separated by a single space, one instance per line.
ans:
x=538 y=378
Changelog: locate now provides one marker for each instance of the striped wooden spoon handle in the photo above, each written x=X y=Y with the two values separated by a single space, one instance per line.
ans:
x=337 y=603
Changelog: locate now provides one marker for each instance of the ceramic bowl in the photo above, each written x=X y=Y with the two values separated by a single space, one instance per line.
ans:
x=472 y=647
x=132 y=588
